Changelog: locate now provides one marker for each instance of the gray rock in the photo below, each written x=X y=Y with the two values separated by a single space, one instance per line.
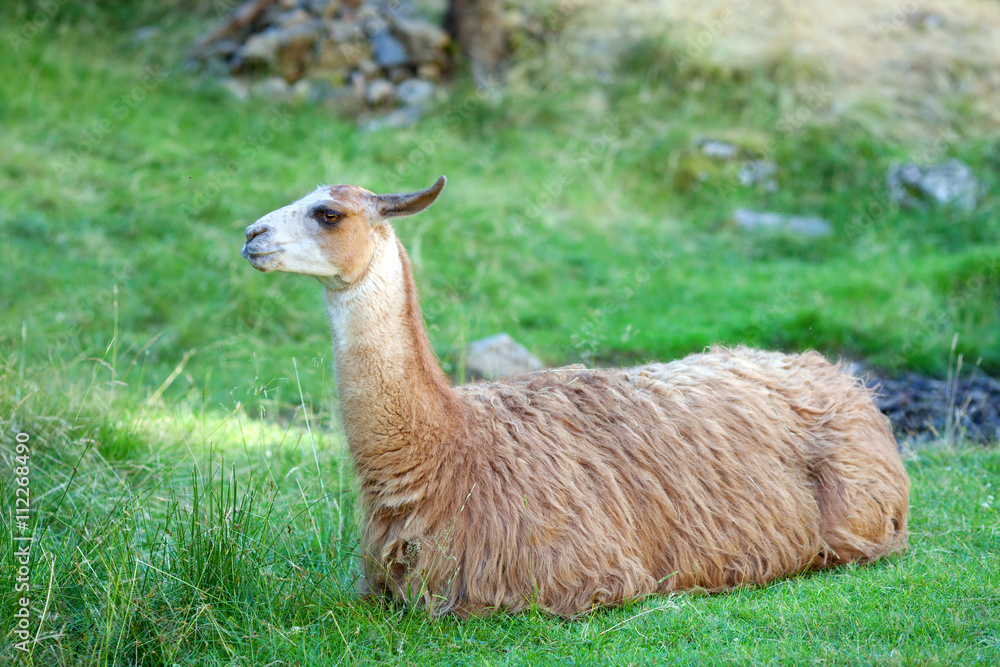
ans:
x=293 y=17
x=379 y=92
x=498 y=356
x=305 y=90
x=261 y=49
x=337 y=59
x=423 y=41
x=949 y=184
x=926 y=20
x=272 y=87
x=400 y=74
x=239 y=88
x=145 y=33
x=389 y=51
x=429 y=72
x=759 y=172
x=415 y=92
x=369 y=68
x=720 y=150
x=288 y=50
x=776 y=222
x=404 y=117
x=222 y=49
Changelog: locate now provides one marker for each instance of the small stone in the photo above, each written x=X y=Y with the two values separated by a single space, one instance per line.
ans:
x=400 y=74
x=272 y=87
x=719 y=150
x=498 y=356
x=358 y=84
x=389 y=51
x=296 y=51
x=776 y=222
x=379 y=92
x=145 y=33
x=294 y=17
x=405 y=117
x=303 y=90
x=423 y=41
x=223 y=49
x=369 y=68
x=949 y=184
x=926 y=20
x=429 y=72
x=285 y=50
x=319 y=7
x=261 y=49
x=415 y=92
x=239 y=88
x=236 y=25
x=759 y=172
x=339 y=58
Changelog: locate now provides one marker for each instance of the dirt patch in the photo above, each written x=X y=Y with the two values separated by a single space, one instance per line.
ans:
x=964 y=409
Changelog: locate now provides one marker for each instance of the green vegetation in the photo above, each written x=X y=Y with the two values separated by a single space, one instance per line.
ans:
x=173 y=536
x=194 y=501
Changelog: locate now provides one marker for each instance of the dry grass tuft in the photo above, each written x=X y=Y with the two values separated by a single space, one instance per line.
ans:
x=914 y=63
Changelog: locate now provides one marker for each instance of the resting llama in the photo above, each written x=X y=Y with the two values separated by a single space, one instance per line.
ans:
x=574 y=488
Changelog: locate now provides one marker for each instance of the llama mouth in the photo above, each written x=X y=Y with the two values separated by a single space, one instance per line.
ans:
x=260 y=260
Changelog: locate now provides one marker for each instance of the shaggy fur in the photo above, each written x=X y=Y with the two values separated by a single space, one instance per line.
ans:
x=573 y=488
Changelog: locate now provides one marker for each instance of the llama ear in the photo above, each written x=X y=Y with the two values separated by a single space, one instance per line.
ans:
x=394 y=206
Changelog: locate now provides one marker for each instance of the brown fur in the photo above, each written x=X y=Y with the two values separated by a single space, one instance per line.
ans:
x=574 y=488
x=569 y=489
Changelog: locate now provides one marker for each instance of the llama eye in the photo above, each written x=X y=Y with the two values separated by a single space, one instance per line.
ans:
x=330 y=216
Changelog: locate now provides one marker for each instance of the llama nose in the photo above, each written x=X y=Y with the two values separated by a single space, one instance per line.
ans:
x=256 y=230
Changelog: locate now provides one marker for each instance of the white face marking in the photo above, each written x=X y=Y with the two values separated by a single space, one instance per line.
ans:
x=290 y=240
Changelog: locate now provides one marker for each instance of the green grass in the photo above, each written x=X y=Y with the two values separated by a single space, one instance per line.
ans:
x=194 y=500
x=184 y=537
x=565 y=222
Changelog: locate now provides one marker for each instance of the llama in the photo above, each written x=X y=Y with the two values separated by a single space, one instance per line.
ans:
x=574 y=488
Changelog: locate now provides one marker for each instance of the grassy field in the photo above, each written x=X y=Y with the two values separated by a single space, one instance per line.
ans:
x=194 y=499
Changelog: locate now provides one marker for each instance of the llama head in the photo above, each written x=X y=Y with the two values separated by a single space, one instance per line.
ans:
x=330 y=233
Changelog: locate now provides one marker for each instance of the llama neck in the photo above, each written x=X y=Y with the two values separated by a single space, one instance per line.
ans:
x=396 y=402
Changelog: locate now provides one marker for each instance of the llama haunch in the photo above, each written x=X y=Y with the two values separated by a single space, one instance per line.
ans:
x=573 y=488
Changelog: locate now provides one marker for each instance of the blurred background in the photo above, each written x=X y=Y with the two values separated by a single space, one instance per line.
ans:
x=629 y=181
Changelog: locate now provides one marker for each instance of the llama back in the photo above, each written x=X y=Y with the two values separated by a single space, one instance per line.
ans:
x=861 y=485
x=710 y=472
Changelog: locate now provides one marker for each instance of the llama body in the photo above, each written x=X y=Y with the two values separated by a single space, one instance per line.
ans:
x=573 y=488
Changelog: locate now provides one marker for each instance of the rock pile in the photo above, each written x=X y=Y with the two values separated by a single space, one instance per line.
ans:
x=967 y=408
x=363 y=53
